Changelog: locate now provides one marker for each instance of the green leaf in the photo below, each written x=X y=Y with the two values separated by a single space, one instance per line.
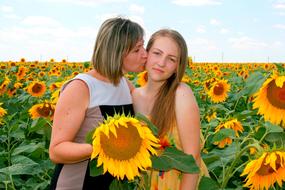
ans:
x=222 y=134
x=152 y=127
x=272 y=127
x=207 y=183
x=160 y=163
x=277 y=138
x=172 y=158
x=121 y=185
x=253 y=83
x=280 y=68
x=259 y=134
x=89 y=135
x=29 y=148
x=20 y=169
x=94 y=170
x=20 y=159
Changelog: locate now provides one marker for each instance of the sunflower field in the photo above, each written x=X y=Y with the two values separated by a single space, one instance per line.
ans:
x=242 y=110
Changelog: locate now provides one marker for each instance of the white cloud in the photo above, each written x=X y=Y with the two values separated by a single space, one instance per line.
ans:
x=247 y=43
x=44 y=43
x=40 y=21
x=106 y=16
x=224 y=30
x=86 y=2
x=201 y=29
x=279 y=26
x=8 y=12
x=134 y=18
x=196 y=2
x=215 y=22
x=279 y=5
x=137 y=9
x=277 y=44
x=6 y=9
x=201 y=44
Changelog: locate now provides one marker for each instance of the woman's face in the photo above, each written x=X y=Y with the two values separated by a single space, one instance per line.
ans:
x=135 y=60
x=163 y=59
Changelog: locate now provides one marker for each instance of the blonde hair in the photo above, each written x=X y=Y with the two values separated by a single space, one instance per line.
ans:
x=163 y=111
x=115 y=39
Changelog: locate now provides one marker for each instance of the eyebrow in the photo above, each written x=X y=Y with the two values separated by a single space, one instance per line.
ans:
x=169 y=54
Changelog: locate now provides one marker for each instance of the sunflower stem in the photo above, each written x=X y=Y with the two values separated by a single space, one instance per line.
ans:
x=229 y=173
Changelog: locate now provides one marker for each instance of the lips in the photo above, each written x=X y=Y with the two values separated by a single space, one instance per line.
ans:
x=158 y=70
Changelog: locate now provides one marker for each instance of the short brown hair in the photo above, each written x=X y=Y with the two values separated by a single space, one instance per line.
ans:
x=116 y=38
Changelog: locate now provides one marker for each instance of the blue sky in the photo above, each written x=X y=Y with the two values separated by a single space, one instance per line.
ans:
x=215 y=30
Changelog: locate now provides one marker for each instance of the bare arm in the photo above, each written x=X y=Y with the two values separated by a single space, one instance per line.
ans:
x=189 y=130
x=69 y=114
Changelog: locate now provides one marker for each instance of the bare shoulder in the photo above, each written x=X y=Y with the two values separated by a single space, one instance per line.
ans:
x=76 y=92
x=76 y=86
x=184 y=92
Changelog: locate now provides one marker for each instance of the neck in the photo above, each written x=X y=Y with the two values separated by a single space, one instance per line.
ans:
x=152 y=87
x=98 y=76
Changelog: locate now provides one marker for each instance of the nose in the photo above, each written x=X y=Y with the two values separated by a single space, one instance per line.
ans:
x=161 y=62
x=144 y=53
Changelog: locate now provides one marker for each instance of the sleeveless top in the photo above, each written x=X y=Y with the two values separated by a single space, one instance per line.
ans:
x=105 y=99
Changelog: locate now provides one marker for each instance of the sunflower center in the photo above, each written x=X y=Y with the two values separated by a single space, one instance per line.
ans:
x=267 y=169
x=125 y=146
x=37 y=88
x=218 y=89
x=45 y=110
x=276 y=95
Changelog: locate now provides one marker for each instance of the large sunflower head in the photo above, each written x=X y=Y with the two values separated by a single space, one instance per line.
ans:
x=123 y=145
x=270 y=100
x=37 y=88
x=44 y=110
x=264 y=172
x=219 y=91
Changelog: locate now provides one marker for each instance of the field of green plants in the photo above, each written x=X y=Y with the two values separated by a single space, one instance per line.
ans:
x=242 y=109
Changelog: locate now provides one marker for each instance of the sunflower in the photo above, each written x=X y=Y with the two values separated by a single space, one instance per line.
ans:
x=21 y=72
x=142 y=78
x=2 y=111
x=55 y=96
x=44 y=110
x=4 y=84
x=186 y=78
x=270 y=100
x=54 y=86
x=123 y=145
x=264 y=172
x=37 y=88
x=211 y=116
x=208 y=83
x=219 y=91
x=231 y=124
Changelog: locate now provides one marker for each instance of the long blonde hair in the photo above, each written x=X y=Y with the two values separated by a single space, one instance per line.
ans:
x=115 y=39
x=163 y=111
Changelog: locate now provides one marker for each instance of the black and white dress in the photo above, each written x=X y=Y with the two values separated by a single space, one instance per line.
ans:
x=105 y=99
